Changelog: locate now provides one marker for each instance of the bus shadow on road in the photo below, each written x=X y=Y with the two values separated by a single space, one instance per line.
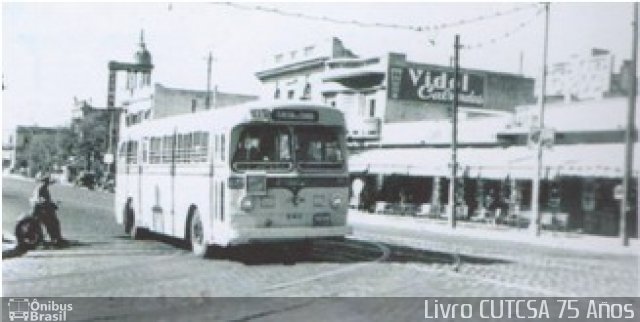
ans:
x=330 y=251
x=346 y=251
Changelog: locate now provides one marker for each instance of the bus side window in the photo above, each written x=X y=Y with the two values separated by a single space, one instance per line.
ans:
x=122 y=152
x=133 y=152
x=154 y=151
x=145 y=147
x=216 y=148
x=167 y=146
x=200 y=146
x=222 y=147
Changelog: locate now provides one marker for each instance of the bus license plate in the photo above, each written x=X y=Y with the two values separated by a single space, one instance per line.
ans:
x=322 y=219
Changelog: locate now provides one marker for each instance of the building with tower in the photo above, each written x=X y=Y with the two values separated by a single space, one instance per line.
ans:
x=131 y=88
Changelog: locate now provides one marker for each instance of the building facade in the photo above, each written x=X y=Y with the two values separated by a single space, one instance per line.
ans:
x=131 y=89
x=376 y=91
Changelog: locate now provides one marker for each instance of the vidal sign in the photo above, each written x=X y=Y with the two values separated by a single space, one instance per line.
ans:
x=435 y=86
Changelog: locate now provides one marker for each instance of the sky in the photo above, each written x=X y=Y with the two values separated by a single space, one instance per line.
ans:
x=52 y=53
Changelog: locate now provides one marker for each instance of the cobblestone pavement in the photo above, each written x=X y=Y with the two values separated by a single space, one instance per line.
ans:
x=376 y=261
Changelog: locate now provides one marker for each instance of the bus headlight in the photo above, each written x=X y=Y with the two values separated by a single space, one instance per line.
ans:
x=247 y=204
x=336 y=202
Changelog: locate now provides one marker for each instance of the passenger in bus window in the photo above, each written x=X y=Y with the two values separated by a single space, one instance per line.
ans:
x=242 y=154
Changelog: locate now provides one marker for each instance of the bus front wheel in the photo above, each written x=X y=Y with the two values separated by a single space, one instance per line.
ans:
x=199 y=246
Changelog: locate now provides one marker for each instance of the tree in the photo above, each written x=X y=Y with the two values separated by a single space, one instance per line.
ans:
x=45 y=151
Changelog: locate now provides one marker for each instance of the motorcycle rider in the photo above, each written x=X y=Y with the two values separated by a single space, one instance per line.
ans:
x=45 y=208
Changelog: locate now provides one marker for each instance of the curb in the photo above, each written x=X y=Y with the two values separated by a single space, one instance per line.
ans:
x=574 y=242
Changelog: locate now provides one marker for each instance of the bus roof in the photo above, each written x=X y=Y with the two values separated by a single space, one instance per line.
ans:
x=232 y=115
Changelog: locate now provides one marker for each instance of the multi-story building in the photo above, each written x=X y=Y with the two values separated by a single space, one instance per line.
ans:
x=582 y=76
x=131 y=88
x=376 y=91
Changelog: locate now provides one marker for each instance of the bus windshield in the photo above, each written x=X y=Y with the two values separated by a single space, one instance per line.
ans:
x=318 y=147
x=271 y=147
x=263 y=147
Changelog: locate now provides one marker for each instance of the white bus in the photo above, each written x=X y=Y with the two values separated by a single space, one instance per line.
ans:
x=258 y=172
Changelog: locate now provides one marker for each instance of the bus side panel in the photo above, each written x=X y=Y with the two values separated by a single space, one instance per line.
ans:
x=157 y=197
x=192 y=187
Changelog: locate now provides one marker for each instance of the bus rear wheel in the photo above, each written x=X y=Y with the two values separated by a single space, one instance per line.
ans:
x=199 y=246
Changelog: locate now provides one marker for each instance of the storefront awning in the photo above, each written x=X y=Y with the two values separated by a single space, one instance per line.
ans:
x=363 y=77
x=595 y=160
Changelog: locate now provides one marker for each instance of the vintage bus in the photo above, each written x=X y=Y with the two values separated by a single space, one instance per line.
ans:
x=252 y=173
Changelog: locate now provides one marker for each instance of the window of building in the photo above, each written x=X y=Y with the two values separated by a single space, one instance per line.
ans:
x=276 y=94
x=290 y=94
x=194 y=105
x=278 y=58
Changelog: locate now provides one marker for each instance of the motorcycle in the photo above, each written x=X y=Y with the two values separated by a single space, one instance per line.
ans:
x=29 y=230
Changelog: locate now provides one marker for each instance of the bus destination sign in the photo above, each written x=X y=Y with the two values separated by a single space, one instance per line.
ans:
x=294 y=115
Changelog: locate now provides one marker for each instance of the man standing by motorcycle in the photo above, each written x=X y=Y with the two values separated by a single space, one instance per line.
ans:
x=45 y=209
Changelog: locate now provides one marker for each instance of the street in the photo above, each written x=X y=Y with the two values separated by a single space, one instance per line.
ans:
x=375 y=262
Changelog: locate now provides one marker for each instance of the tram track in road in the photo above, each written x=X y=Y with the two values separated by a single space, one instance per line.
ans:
x=547 y=262
x=385 y=252
x=458 y=273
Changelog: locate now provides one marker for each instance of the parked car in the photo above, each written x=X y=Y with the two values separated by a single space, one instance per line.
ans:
x=86 y=179
x=108 y=183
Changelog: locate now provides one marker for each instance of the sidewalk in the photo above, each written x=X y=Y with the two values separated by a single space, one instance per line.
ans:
x=561 y=240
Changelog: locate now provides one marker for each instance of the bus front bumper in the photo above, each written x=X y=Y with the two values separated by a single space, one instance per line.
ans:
x=240 y=236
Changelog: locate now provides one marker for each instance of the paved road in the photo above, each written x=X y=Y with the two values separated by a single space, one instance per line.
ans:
x=377 y=261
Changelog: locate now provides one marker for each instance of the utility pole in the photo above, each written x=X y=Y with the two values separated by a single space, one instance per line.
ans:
x=535 y=189
x=454 y=135
x=627 y=180
x=209 y=62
